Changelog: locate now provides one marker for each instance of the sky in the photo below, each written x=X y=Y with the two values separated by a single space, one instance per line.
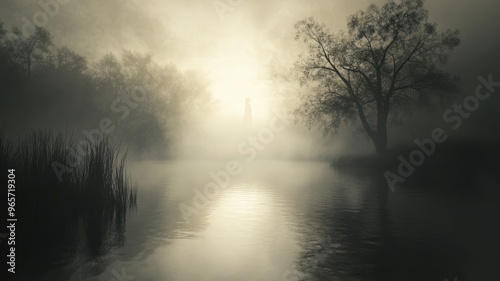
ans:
x=245 y=47
x=239 y=44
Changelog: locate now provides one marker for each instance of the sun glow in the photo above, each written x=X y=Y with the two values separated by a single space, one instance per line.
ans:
x=236 y=76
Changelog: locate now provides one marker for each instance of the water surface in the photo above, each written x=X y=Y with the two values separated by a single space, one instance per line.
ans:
x=286 y=220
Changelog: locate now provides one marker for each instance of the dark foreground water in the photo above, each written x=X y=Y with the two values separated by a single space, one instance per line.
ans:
x=293 y=221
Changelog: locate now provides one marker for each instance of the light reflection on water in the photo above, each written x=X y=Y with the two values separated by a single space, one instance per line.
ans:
x=304 y=218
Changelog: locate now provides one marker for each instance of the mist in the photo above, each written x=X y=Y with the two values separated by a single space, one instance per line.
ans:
x=250 y=140
x=247 y=49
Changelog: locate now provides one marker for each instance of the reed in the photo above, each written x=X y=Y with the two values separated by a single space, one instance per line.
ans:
x=98 y=187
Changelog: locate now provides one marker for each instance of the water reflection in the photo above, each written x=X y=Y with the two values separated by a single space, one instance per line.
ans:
x=71 y=244
x=297 y=221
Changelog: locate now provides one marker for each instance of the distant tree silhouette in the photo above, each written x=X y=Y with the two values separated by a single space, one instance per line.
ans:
x=3 y=32
x=56 y=86
x=386 y=59
x=8 y=70
x=108 y=73
x=29 y=50
x=67 y=61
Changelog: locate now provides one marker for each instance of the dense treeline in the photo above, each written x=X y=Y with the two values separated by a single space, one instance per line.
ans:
x=128 y=97
x=70 y=181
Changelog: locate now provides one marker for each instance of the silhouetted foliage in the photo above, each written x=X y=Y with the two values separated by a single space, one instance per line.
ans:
x=29 y=51
x=147 y=104
x=387 y=59
x=93 y=201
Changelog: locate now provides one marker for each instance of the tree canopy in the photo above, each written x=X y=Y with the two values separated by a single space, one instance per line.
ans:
x=46 y=84
x=387 y=58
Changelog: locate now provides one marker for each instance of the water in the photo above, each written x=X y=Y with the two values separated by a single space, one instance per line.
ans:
x=280 y=220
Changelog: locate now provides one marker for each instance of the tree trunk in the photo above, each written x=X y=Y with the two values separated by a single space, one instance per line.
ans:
x=380 y=142
x=380 y=137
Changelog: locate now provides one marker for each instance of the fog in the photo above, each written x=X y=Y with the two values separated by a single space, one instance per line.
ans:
x=250 y=140
x=247 y=49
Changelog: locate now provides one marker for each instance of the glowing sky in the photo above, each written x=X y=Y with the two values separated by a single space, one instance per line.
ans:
x=244 y=48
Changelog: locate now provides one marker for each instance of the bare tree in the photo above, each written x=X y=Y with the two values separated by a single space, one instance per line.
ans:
x=387 y=58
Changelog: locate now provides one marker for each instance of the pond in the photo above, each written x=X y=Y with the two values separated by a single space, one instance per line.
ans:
x=292 y=220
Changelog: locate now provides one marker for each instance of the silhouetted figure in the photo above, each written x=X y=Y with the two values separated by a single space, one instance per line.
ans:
x=248 y=113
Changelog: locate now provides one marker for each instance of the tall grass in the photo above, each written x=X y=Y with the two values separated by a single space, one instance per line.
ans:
x=93 y=197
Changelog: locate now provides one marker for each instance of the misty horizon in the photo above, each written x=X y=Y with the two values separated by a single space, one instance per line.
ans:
x=250 y=140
